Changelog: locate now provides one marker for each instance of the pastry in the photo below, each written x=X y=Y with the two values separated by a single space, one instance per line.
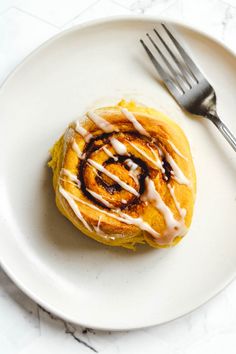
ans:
x=124 y=175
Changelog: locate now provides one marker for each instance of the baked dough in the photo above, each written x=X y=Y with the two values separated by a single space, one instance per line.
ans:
x=124 y=175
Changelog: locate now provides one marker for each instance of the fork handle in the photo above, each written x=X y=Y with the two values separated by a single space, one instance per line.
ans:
x=223 y=129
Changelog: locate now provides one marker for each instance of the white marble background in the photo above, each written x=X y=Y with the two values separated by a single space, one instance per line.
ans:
x=26 y=328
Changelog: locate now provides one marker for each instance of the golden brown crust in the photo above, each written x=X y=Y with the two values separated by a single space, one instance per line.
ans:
x=165 y=138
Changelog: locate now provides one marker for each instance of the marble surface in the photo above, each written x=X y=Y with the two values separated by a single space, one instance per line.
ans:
x=25 y=327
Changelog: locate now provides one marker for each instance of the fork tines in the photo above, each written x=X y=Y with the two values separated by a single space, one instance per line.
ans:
x=180 y=72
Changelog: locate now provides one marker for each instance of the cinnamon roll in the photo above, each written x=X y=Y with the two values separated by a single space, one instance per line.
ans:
x=124 y=175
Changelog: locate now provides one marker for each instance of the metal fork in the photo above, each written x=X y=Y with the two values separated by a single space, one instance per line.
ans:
x=185 y=81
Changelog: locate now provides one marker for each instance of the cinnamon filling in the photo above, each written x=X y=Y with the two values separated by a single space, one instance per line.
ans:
x=131 y=169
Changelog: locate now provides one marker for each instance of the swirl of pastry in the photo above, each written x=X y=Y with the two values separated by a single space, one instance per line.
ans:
x=124 y=175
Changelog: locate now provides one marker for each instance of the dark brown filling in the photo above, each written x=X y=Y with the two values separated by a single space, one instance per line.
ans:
x=109 y=185
x=167 y=168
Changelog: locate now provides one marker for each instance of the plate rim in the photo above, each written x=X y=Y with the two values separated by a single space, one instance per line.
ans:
x=89 y=24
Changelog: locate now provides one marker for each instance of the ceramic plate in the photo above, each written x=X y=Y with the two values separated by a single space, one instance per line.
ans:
x=64 y=271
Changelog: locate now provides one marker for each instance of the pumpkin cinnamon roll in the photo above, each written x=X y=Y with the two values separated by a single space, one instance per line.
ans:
x=124 y=175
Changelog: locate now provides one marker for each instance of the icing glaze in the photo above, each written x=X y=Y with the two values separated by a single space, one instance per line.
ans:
x=113 y=177
x=72 y=177
x=70 y=199
x=119 y=147
x=130 y=116
x=178 y=174
x=77 y=150
x=83 y=132
x=127 y=219
x=156 y=163
x=109 y=153
x=173 y=227
x=100 y=198
x=101 y=122
x=176 y=150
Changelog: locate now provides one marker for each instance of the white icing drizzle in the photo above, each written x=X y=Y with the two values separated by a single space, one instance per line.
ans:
x=101 y=122
x=97 y=227
x=124 y=201
x=134 y=175
x=119 y=147
x=83 y=132
x=143 y=225
x=72 y=177
x=182 y=211
x=133 y=169
x=101 y=233
x=178 y=174
x=70 y=199
x=157 y=163
x=67 y=181
x=100 y=198
x=134 y=121
x=113 y=177
x=132 y=165
x=76 y=149
x=157 y=157
x=173 y=227
x=109 y=153
x=69 y=133
x=176 y=150
x=127 y=219
x=161 y=153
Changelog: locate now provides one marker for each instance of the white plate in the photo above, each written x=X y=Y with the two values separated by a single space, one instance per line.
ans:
x=71 y=275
